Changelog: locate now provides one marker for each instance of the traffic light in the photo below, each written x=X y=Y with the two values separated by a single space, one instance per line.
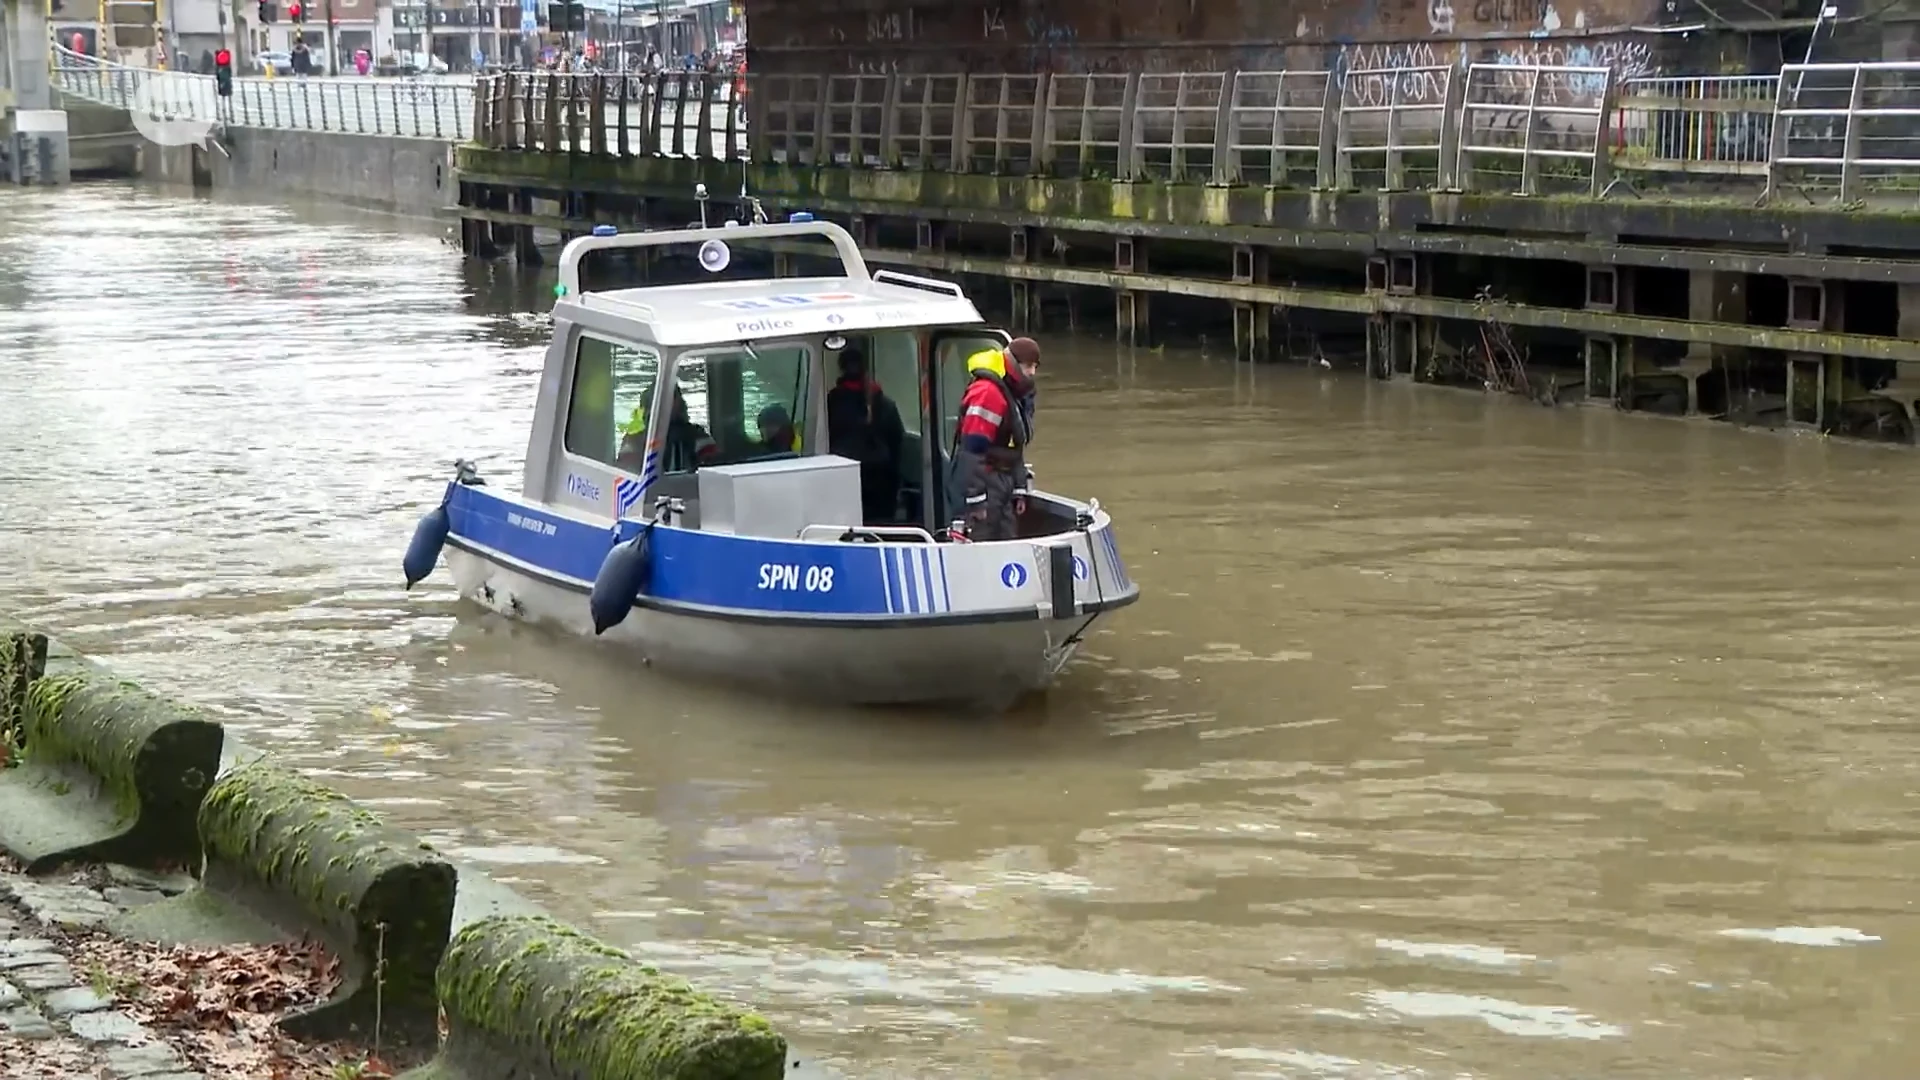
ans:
x=267 y=12
x=297 y=12
x=223 y=73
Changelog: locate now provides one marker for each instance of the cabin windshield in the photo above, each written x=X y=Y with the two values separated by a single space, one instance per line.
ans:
x=734 y=405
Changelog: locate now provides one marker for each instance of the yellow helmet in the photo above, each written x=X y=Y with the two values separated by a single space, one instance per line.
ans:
x=992 y=360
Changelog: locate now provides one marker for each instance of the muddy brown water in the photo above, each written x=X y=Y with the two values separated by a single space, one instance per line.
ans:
x=1454 y=737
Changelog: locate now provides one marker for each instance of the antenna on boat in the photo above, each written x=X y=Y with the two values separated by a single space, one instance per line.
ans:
x=700 y=196
x=751 y=212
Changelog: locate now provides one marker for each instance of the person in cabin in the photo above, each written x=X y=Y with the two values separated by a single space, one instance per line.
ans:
x=777 y=433
x=989 y=467
x=864 y=424
x=688 y=445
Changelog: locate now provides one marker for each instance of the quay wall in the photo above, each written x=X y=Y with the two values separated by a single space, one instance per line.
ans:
x=1782 y=315
x=94 y=769
x=406 y=176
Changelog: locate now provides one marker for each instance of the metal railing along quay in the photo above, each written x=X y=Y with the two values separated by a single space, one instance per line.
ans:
x=431 y=107
x=1847 y=130
x=672 y=114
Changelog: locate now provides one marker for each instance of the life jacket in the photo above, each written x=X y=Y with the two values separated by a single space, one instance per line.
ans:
x=995 y=361
x=991 y=364
x=636 y=423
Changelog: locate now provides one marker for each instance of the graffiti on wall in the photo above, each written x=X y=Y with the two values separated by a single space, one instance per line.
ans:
x=890 y=25
x=1370 y=74
x=1509 y=12
x=1372 y=20
x=1625 y=58
x=1075 y=36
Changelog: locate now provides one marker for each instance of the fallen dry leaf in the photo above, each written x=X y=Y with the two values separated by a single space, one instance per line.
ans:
x=220 y=1007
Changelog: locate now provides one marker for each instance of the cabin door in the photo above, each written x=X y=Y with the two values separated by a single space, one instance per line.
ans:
x=943 y=380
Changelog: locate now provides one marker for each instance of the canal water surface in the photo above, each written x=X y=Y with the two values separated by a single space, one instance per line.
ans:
x=1455 y=737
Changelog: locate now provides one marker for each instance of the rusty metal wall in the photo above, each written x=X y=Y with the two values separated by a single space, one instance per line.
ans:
x=878 y=36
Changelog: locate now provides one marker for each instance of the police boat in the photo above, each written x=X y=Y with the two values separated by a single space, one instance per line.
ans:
x=679 y=498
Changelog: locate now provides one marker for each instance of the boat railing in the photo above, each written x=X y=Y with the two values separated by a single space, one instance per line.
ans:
x=912 y=533
x=851 y=261
x=914 y=281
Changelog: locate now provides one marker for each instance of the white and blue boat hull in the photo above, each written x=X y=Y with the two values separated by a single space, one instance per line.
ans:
x=851 y=622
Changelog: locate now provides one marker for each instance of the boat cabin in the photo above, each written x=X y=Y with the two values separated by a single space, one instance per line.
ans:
x=730 y=399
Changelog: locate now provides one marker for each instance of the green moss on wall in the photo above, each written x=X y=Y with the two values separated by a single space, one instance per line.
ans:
x=377 y=894
x=144 y=760
x=23 y=657
x=1157 y=205
x=544 y=987
x=143 y=749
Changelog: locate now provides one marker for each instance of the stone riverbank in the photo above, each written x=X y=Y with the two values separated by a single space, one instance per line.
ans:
x=77 y=1002
x=312 y=939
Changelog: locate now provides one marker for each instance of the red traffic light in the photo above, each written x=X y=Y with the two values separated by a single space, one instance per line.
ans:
x=293 y=12
x=223 y=58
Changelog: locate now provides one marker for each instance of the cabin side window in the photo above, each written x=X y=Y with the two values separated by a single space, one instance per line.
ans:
x=896 y=367
x=733 y=406
x=612 y=391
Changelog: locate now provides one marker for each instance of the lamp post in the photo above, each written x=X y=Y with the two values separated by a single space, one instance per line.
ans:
x=332 y=41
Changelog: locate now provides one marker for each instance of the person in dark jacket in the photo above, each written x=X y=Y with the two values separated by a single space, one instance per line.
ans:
x=777 y=433
x=864 y=424
x=301 y=58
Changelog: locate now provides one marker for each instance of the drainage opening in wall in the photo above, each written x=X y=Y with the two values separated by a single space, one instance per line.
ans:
x=276 y=157
x=439 y=170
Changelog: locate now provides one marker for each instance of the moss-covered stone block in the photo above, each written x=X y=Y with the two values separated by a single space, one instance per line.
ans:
x=23 y=658
x=307 y=859
x=533 y=999
x=108 y=773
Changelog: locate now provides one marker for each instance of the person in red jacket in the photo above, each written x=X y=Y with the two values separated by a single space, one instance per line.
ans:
x=989 y=461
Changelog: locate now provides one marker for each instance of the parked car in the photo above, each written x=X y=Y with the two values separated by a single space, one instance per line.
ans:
x=419 y=63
